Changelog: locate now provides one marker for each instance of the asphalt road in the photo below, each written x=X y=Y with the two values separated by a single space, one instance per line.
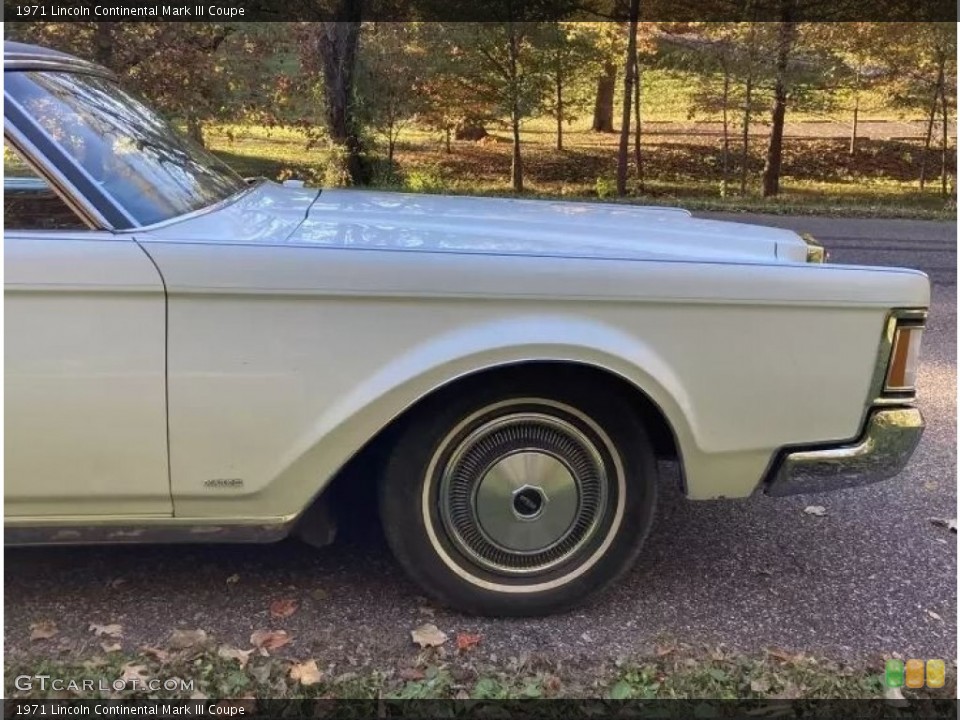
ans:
x=873 y=575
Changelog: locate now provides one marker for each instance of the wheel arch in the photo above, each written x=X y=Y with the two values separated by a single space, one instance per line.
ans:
x=354 y=484
x=370 y=415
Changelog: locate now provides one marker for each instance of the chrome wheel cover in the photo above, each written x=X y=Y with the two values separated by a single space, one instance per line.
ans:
x=525 y=491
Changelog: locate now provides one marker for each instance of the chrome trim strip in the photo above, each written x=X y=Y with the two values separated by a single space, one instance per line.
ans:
x=27 y=62
x=218 y=205
x=888 y=441
x=72 y=161
x=169 y=530
x=56 y=179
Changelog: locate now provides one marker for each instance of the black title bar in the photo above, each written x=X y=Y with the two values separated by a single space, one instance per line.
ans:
x=485 y=10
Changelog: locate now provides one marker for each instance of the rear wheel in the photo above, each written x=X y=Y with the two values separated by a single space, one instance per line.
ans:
x=522 y=503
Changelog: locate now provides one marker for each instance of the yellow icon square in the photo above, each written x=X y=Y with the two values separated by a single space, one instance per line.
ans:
x=914 y=672
x=936 y=673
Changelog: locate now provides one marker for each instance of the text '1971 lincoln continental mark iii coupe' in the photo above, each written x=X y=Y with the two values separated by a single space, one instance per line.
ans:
x=192 y=357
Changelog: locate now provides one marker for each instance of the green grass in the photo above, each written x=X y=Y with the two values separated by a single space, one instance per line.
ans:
x=672 y=672
x=668 y=95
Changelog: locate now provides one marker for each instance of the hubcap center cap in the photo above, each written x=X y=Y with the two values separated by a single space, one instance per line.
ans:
x=527 y=501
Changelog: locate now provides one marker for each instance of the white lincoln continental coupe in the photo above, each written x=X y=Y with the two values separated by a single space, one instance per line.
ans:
x=194 y=357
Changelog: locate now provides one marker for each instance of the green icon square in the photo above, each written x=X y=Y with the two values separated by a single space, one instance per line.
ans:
x=893 y=677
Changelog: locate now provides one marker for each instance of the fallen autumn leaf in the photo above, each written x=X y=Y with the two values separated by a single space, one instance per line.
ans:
x=466 y=641
x=428 y=635
x=112 y=630
x=161 y=656
x=306 y=673
x=412 y=674
x=265 y=640
x=760 y=685
x=283 y=608
x=183 y=639
x=43 y=630
x=228 y=652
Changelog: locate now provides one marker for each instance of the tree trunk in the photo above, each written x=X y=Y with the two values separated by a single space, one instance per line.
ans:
x=446 y=136
x=337 y=44
x=637 y=118
x=726 y=132
x=945 y=140
x=930 y=119
x=195 y=130
x=603 y=108
x=771 y=169
x=516 y=166
x=559 y=111
x=623 y=154
x=856 y=117
x=103 y=44
x=745 y=152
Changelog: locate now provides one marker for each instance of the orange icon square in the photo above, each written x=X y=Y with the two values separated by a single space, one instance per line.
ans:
x=936 y=672
x=914 y=673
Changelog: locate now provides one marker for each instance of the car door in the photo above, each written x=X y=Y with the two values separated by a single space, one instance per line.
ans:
x=85 y=410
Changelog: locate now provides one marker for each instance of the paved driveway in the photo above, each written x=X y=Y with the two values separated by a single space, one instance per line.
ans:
x=873 y=575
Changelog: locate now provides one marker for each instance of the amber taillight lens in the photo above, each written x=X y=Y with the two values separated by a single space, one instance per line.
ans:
x=904 y=359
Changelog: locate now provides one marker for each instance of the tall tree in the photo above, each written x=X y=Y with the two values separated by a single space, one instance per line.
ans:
x=570 y=49
x=390 y=79
x=786 y=36
x=629 y=77
x=329 y=48
x=849 y=55
x=920 y=68
x=502 y=66
x=945 y=140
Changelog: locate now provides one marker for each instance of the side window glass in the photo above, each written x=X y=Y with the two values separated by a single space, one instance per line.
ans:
x=28 y=202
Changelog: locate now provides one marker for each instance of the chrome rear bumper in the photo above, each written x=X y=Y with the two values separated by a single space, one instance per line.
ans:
x=889 y=439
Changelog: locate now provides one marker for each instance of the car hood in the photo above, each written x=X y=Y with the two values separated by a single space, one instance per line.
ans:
x=274 y=215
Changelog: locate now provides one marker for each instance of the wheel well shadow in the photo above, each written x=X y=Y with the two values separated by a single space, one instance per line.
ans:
x=352 y=494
